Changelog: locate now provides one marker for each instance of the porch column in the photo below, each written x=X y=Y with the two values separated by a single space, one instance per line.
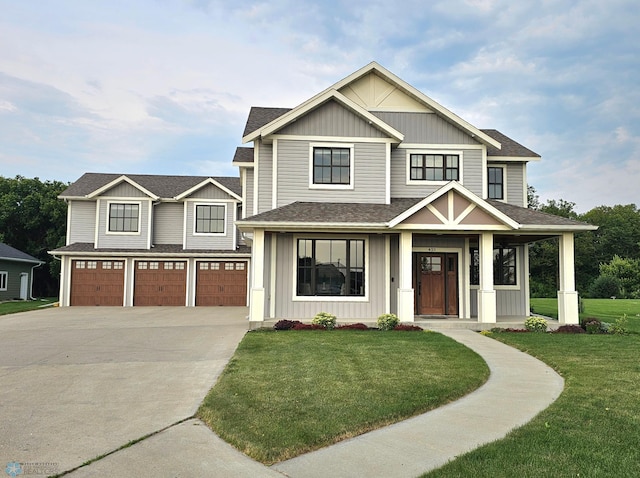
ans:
x=486 y=293
x=256 y=313
x=567 y=295
x=405 y=282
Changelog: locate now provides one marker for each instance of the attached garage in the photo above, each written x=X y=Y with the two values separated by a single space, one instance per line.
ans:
x=221 y=283
x=97 y=282
x=160 y=283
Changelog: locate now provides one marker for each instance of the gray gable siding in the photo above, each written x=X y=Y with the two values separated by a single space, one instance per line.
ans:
x=82 y=221
x=332 y=119
x=248 y=192
x=168 y=223
x=265 y=177
x=293 y=175
x=425 y=128
x=123 y=241
x=209 y=242
x=210 y=192
x=124 y=190
x=515 y=188
x=285 y=269
x=14 y=270
x=472 y=175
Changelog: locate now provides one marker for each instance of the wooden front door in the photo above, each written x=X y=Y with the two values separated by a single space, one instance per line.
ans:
x=436 y=283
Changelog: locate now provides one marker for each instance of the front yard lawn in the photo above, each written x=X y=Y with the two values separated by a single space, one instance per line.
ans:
x=592 y=430
x=289 y=392
x=16 y=306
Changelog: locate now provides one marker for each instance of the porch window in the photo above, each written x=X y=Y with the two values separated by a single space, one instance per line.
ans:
x=495 y=177
x=330 y=267
x=504 y=266
x=3 y=280
x=124 y=217
x=434 y=167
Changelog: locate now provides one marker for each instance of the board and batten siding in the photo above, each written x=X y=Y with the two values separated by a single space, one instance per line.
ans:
x=265 y=177
x=124 y=190
x=123 y=241
x=82 y=221
x=332 y=119
x=425 y=128
x=472 y=174
x=286 y=308
x=168 y=223
x=515 y=187
x=293 y=175
x=201 y=241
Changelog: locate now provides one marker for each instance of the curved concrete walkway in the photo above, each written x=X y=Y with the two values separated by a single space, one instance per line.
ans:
x=519 y=387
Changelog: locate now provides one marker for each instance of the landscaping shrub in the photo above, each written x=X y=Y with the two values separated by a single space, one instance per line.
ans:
x=510 y=329
x=285 y=324
x=486 y=333
x=408 y=328
x=357 y=326
x=593 y=326
x=605 y=287
x=619 y=327
x=301 y=326
x=325 y=319
x=388 y=321
x=535 y=324
x=570 y=329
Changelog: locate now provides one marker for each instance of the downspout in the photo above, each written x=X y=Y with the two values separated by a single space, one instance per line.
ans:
x=31 y=297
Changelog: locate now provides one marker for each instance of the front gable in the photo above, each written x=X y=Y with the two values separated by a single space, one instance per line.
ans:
x=122 y=187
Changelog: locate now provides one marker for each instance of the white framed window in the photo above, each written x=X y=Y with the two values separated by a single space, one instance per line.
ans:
x=92 y=264
x=433 y=166
x=143 y=265
x=168 y=266
x=209 y=219
x=203 y=266
x=154 y=265
x=123 y=218
x=331 y=165
x=215 y=266
x=106 y=265
x=4 y=279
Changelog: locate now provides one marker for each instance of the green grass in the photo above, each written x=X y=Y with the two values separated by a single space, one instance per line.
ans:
x=23 y=306
x=592 y=430
x=607 y=310
x=286 y=393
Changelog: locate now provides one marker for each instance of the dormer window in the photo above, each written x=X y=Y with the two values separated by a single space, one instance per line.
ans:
x=124 y=217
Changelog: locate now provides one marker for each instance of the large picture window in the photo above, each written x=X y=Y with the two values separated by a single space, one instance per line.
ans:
x=504 y=266
x=210 y=219
x=124 y=217
x=331 y=165
x=434 y=167
x=330 y=267
x=495 y=177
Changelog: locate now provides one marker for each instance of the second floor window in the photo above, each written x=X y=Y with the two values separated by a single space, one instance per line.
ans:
x=331 y=165
x=434 y=167
x=495 y=177
x=209 y=219
x=124 y=217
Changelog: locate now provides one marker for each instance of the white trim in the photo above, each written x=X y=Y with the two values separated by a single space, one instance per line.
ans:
x=525 y=198
x=274 y=174
x=204 y=183
x=438 y=146
x=4 y=274
x=243 y=178
x=352 y=160
x=108 y=216
x=387 y=172
x=330 y=298
x=467 y=279
x=387 y=274
x=256 y=173
x=233 y=225
x=427 y=182
x=338 y=139
x=242 y=165
x=97 y=225
x=209 y=234
x=505 y=194
x=525 y=279
x=184 y=224
x=517 y=159
x=119 y=180
x=485 y=188
x=68 y=239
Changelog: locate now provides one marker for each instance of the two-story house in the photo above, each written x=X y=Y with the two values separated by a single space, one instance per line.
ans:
x=370 y=197
x=153 y=240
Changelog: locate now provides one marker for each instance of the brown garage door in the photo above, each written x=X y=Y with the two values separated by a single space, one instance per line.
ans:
x=97 y=282
x=160 y=283
x=221 y=283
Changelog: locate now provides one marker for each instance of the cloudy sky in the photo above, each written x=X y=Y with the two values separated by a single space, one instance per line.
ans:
x=164 y=86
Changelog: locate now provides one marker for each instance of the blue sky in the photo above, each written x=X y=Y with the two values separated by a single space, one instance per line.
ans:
x=164 y=86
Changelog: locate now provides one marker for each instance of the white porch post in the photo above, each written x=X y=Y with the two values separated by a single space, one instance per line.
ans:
x=486 y=292
x=256 y=313
x=405 y=285
x=567 y=295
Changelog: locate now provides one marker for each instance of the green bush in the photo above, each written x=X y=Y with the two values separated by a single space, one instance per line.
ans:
x=388 y=321
x=619 y=327
x=325 y=319
x=605 y=287
x=535 y=324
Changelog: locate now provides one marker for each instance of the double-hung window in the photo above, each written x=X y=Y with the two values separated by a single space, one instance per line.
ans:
x=504 y=266
x=124 y=217
x=495 y=182
x=4 y=276
x=331 y=166
x=210 y=219
x=330 y=267
x=434 y=167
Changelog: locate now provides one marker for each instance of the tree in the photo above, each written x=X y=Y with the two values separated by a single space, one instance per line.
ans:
x=627 y=274
x=33 y=220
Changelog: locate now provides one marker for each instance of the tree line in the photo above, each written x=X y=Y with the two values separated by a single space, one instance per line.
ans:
x=33 y=220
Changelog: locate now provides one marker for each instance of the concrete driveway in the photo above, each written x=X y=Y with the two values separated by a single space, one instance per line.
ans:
x=77 y=383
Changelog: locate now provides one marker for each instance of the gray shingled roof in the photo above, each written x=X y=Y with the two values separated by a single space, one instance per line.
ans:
x=11 y=253
x=160 y=185
x=259 y=116
x=365 y=213
x=87 y=247
x=243 y=155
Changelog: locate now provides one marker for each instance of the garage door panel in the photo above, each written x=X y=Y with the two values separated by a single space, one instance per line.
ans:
x=221 y=284
x=160 y=283
x=97 y=282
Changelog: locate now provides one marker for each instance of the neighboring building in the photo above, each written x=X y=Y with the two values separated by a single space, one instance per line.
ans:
x=153 y=240
x=371 y=198
x=16 y=273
